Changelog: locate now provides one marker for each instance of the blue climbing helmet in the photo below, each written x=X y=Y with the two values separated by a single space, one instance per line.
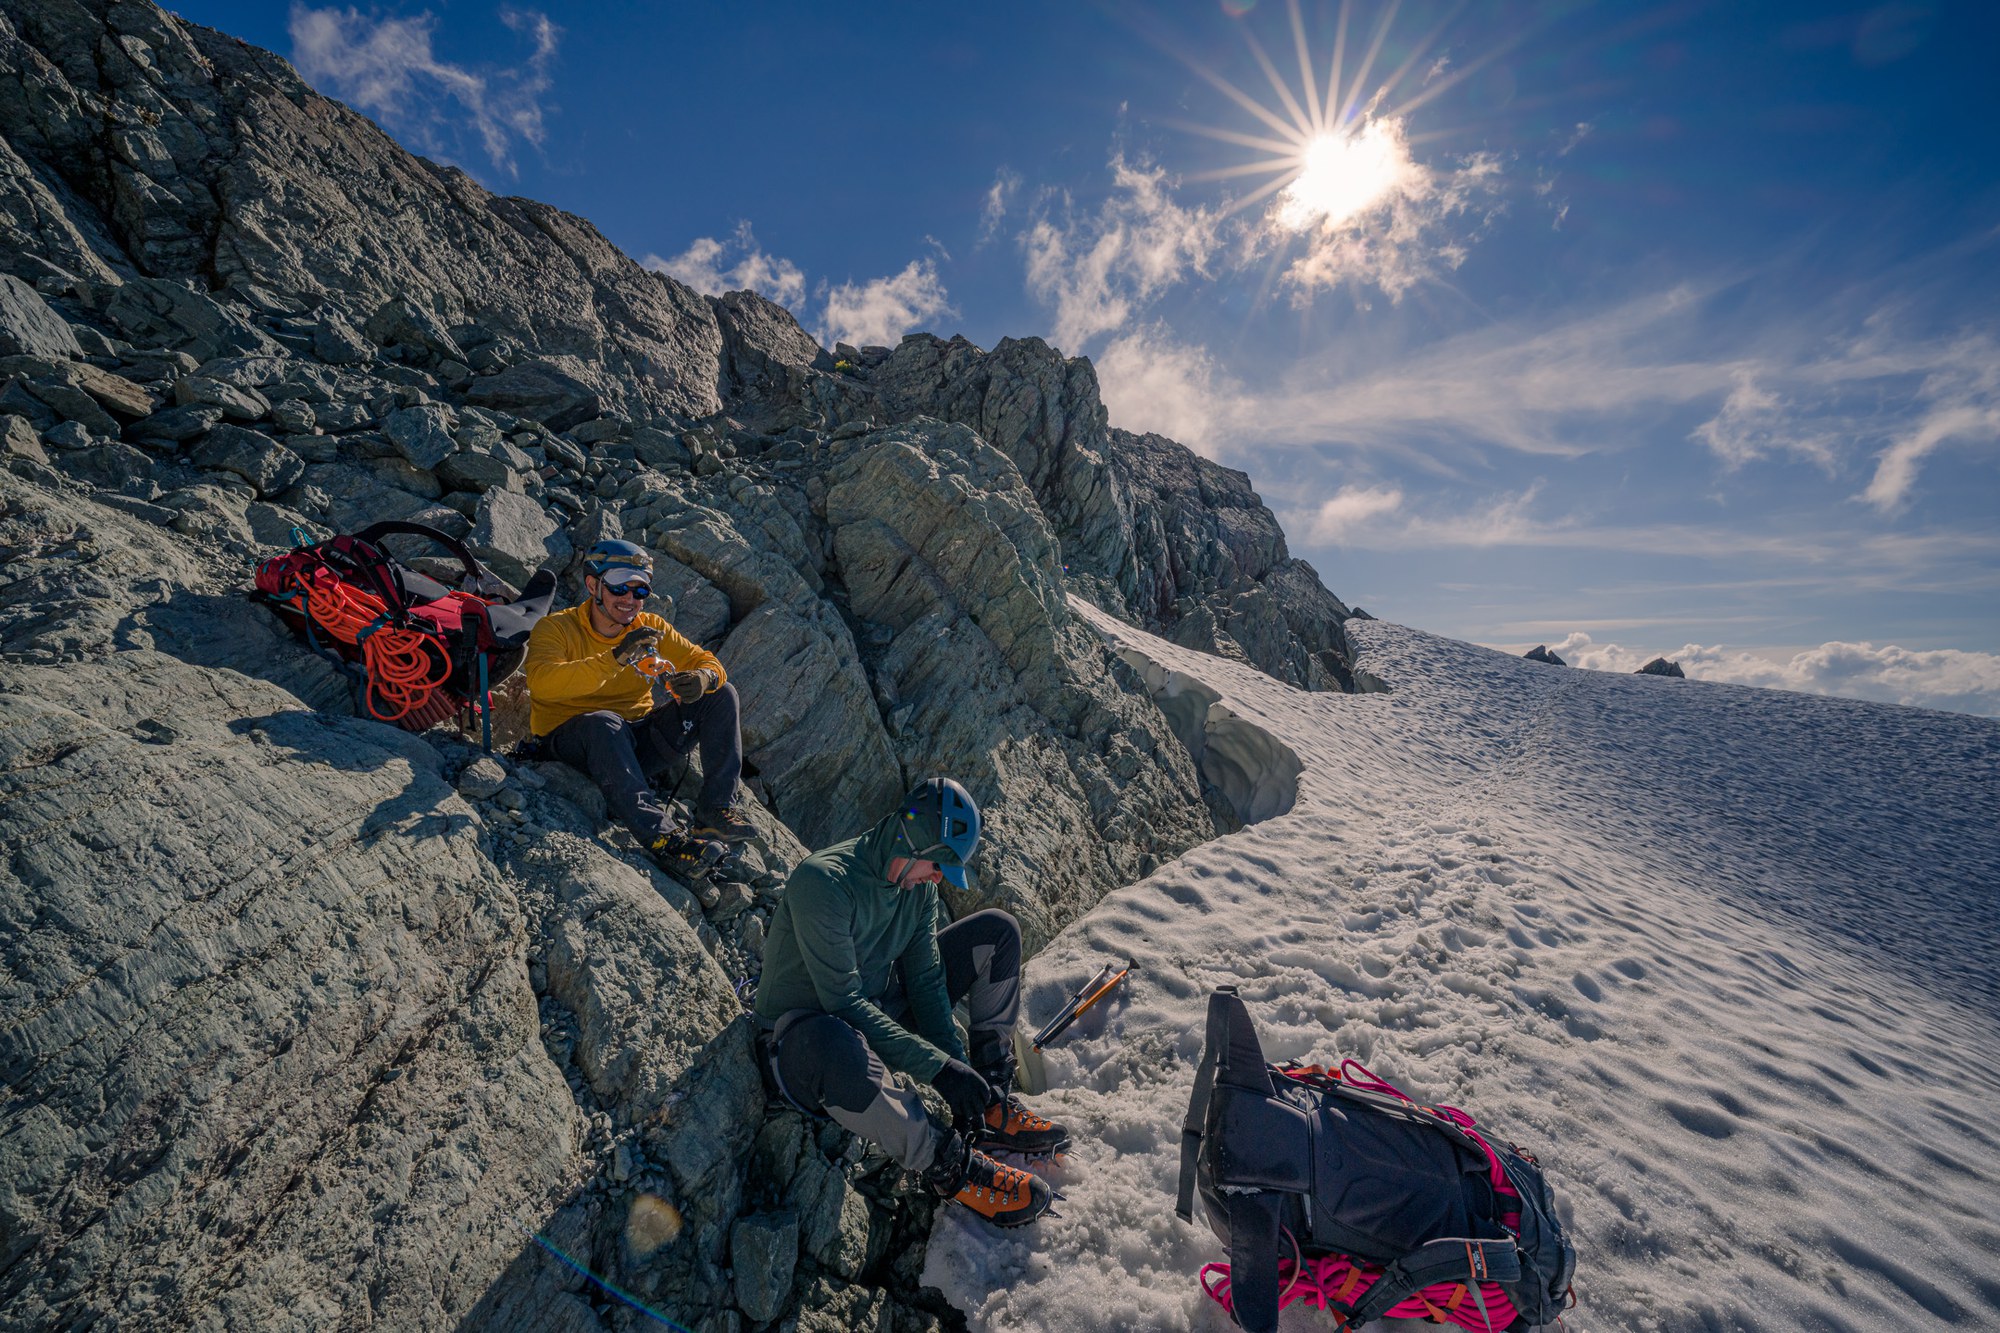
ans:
x=607 y=556
x=939 y=822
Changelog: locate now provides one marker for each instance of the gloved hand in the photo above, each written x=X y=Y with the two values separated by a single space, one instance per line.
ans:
x=636 y=646
x=687 y=686
x=968 y=1094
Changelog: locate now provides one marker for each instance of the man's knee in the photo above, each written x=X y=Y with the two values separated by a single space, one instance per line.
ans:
x=824 y=1062
x=592 y=729
x=722 y=702
x=994 y=939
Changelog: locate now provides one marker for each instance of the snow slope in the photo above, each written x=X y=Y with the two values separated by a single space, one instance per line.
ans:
x=1723 y=957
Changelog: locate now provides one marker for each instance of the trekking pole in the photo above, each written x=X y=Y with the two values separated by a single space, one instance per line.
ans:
x=1093 y=990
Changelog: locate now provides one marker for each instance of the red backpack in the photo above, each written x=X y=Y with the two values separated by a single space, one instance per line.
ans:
x=414 y=651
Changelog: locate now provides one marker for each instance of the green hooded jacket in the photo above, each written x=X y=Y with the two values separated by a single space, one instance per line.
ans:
x=842 y=939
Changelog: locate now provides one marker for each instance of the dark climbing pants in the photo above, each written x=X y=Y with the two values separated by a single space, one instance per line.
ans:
x=624 y=757
x=823 y=1066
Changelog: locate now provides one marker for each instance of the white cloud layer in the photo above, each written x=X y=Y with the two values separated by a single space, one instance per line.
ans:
x=737 y=264
x=882 y=310
x=1351 y=509
x=387 y=68
x=1948 y=678
x=1151 y=382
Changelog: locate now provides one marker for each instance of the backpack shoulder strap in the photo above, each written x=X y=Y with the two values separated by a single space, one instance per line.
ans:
x=1204 y=1085
x=374 y=532
x=1449 y=1259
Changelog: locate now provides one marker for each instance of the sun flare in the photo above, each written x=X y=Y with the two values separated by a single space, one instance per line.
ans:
x=1341 y=175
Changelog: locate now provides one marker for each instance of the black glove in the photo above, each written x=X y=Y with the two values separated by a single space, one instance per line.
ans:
x=636 y=646
x=687 y=686
x=968 y=1093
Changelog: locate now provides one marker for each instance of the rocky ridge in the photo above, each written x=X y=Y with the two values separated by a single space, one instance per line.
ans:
x=307 y=1016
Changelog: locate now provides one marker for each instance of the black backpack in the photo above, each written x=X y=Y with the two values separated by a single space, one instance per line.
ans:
x=1318 y=1165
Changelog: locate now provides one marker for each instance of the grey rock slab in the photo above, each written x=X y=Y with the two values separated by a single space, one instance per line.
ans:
x=478 y=472
x=600 y=430
x=176 y=425
x=18 y=439
x=398 y=322
x=159 y=311
x=809 y=721
x=295 y=416
x=661 y=450
x=553 y=391
x=28 y=326
x=242 y=934
x=422 y=434
x=337 y=342
x=257 y=458
x=69 y=435
x=235 y=402
x=764 y=1253
x=515 y=536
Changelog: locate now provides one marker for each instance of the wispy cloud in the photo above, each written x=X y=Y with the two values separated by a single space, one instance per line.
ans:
x=388 y=68
x=1000 y=198
x=1098 y=271
x=1754 y=422
x=714 y=266
x=1948 y=678
x=1516 y=387
x=883 y=309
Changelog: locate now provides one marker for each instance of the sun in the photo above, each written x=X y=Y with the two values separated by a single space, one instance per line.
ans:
x=1341 y=175
x=1332 y=154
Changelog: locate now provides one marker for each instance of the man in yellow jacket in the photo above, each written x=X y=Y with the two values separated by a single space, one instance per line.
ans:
x=590 y=673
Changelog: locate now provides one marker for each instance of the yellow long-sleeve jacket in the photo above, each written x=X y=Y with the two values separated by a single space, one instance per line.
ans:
x=571 y=671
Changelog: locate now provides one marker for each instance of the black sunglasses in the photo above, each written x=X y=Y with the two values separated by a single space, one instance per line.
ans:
x=631 y=589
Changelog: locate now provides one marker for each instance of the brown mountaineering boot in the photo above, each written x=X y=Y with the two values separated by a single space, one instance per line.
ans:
x=1011 y=1127
x=722 y=823
x=1004 y=1195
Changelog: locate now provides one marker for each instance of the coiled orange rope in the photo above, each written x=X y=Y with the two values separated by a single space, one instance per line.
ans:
x=404 y=665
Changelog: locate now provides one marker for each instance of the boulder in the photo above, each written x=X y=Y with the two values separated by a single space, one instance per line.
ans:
x=763 y=1253
x=339 y=343
x=176 y=425
x=1540 y=653
x=553 y=391
x=762 y=342
x=19 y=440
x=422 y=434
x=600 y=430
x=477 y=472
x=513 y=535
x=661 y=450
x=79 y=391
x=236 y=402
x=257 y=458
x=164 y=311
x=27 y=325
x=1660 y=666
x=295 y=416
x=109 y=464
x=421 y=334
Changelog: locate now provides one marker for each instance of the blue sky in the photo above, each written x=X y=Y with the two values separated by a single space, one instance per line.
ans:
x=1627 y=328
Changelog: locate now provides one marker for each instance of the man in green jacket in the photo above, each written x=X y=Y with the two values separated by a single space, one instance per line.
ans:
x=859 y=979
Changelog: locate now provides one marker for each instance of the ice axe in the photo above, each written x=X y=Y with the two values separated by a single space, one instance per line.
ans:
x=1093 y=990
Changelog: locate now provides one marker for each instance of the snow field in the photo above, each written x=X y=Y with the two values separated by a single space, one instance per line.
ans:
x=1721 y=957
